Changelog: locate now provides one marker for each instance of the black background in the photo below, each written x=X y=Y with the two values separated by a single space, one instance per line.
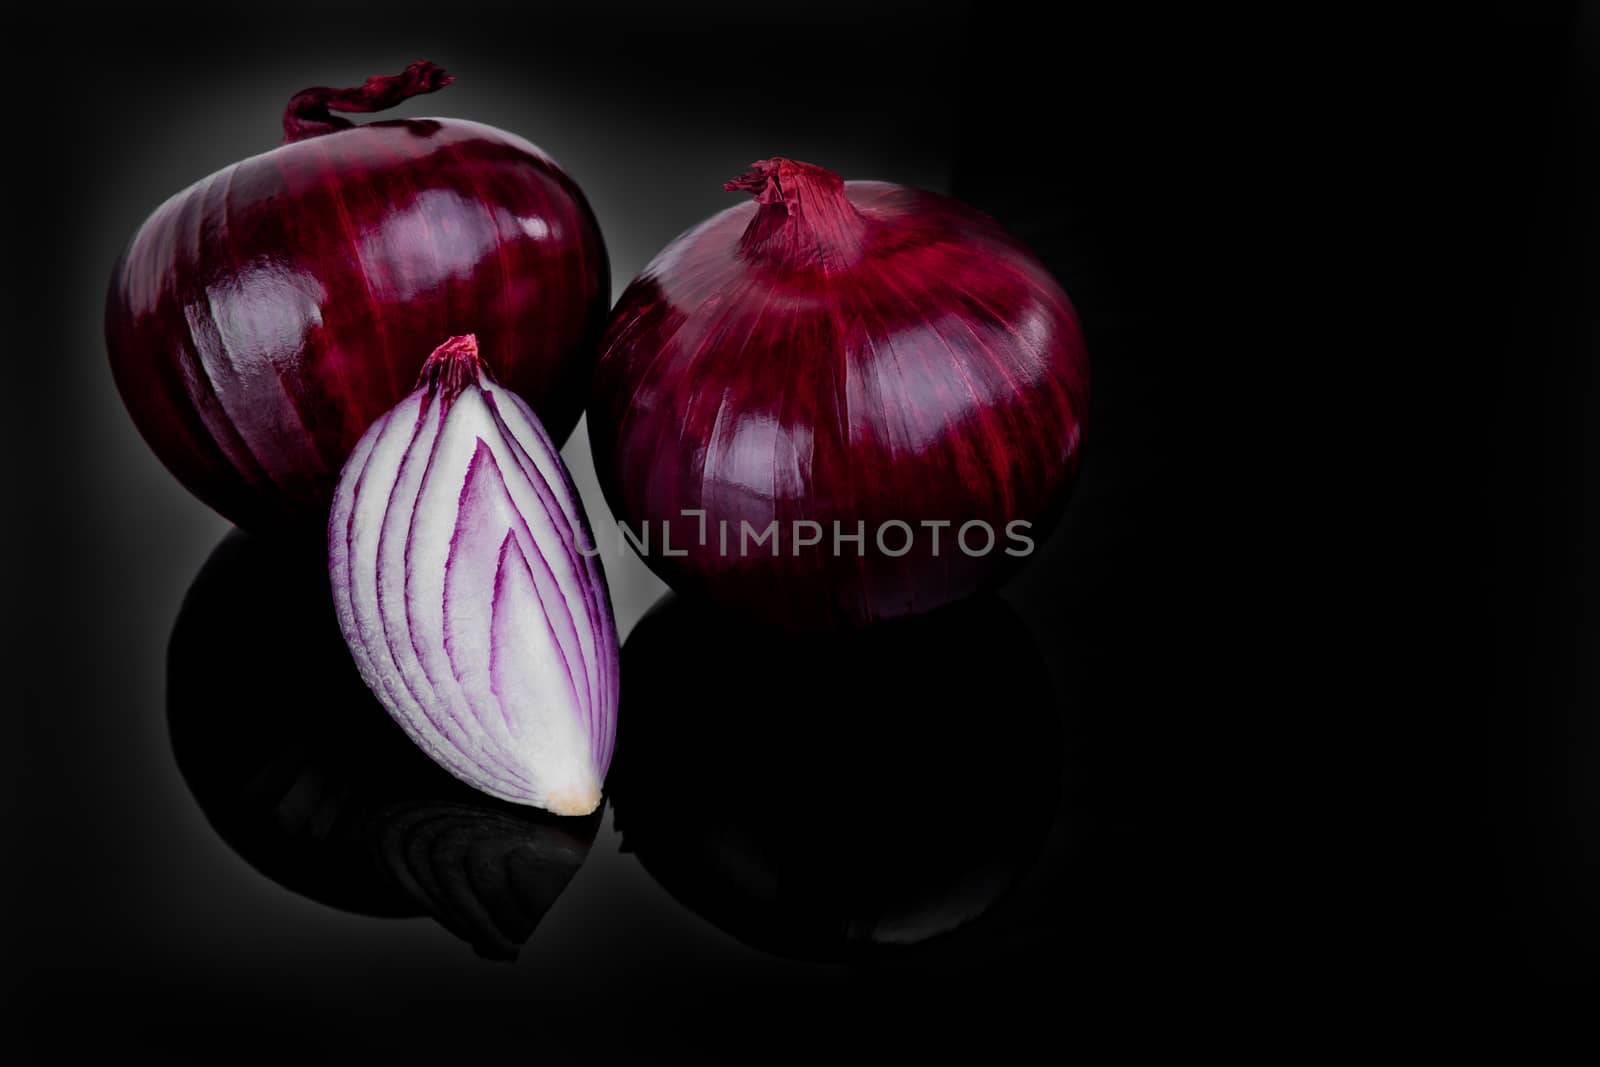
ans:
x=1318 y=622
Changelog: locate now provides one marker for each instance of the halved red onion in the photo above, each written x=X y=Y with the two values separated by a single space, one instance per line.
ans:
x=458 y=551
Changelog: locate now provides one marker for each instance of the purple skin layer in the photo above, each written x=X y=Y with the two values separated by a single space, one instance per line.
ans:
x=850 y=352
x=262 y=319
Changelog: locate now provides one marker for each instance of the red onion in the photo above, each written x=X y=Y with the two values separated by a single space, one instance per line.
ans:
x=469 y=592
x=844 y=360
x=263 y=318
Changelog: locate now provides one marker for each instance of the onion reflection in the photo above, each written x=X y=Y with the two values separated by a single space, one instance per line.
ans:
x=820 y=797
x=302 y=773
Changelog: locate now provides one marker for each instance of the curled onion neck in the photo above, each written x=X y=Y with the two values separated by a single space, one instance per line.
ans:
x=805 y=219
x=308 y=113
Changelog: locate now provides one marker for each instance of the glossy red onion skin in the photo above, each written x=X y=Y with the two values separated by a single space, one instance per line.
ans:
x=940 y=375
x=263 y=318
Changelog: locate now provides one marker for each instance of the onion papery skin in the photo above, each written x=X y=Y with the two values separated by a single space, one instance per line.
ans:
x=864 y=793
x=469 y=592
x=839 y=352
x=260 y=320
x=301 y=773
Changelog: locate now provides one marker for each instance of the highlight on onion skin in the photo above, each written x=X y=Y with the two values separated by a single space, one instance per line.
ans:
x=841 y=353
x=457 y=556
x=302 y=774
x=260 y=320
x=869 y=793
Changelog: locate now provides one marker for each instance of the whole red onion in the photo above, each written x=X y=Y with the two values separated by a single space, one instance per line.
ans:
x=843 y=360
x=261 y=319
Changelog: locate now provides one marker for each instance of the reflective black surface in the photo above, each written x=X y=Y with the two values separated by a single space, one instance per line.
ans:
x=1306 y=751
